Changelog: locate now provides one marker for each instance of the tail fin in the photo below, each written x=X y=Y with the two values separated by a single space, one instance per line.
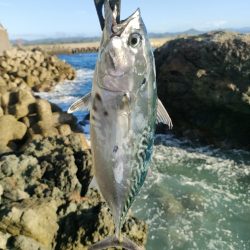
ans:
x=113 y=241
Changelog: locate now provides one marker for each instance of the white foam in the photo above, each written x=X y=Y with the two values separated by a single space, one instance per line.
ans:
x=205 y=187
x=64 y=94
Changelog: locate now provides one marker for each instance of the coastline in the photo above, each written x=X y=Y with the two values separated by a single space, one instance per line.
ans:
x=84 y=47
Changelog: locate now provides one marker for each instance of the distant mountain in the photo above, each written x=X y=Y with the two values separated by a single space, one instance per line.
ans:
x=55 y=40
x=79 y=39
x=190 y=32
x=241 y=30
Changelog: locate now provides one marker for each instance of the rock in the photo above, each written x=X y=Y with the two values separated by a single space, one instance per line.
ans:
x=2 y=81
x=3 y=240
x=77 y=139
x=44 y=128
x=1 y=111
x=36 y=219
x=35 y=68
x=17 y=175
x=1 y=193
x=32 y=80
x=194 y=201
x=85 y=224
x=63 y=118
x=10 y=129
x=11 y=53
x=64 y=129
x=24 y=106
x=66 y=165
x=5 y=98
x=25 y=243
x=204 y=83
x=30 y=120
x=44 y=110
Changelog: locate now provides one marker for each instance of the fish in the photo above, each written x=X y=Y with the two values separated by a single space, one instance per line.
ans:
x=124 y=110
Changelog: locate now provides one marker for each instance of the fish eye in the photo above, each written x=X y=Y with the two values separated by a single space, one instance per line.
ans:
x=134 y=40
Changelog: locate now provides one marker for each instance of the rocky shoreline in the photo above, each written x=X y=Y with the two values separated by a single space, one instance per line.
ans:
x=204 y=83
x=45 y=165
x=33 y=69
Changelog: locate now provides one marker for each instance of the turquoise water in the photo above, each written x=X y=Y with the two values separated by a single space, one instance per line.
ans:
x=194 y=197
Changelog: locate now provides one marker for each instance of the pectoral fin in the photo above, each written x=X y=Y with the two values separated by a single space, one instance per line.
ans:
x=162 y=115
x=82 y=103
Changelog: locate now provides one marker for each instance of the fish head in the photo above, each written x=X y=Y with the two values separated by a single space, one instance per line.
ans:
x=125 y=52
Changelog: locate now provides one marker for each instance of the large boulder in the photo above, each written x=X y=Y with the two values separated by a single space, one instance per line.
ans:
x=204 y=83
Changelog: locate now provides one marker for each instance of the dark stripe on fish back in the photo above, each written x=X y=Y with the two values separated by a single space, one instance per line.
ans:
x=98 y=97
x=95 y=102
x=140 y=167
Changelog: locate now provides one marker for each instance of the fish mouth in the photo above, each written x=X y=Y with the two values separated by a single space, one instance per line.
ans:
x=112 y=23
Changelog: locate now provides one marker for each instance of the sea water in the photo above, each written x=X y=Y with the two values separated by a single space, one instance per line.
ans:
x=195 y=197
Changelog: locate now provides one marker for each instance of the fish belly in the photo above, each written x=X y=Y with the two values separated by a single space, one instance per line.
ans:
x=121 y=150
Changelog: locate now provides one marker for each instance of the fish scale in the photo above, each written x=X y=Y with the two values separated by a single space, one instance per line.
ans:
x=140 y=169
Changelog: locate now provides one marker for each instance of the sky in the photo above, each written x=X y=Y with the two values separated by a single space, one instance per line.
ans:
x=34 y=19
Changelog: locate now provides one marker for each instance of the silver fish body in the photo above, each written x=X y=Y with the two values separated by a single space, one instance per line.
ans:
x=123 y=108
x=123 y=112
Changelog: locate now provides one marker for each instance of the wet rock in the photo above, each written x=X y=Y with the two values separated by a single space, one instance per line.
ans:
x=204 y=83
x=193 y=201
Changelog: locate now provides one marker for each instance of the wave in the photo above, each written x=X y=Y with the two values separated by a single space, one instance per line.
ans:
x=196 y=197
x=68 y=92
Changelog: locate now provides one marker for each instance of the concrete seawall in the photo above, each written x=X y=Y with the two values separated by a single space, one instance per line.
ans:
x=86 y=47
x=4 y=40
